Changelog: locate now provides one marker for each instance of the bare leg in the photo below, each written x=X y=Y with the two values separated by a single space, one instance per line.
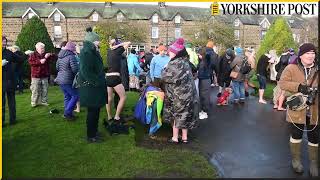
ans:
x=184 y=134
x=108 y=105
x=280 y=101
x=122 y=94
x=261 y=100
x=175 y=133
x=78 y=107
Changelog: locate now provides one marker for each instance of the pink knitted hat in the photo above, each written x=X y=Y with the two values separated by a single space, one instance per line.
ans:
x=177 y=46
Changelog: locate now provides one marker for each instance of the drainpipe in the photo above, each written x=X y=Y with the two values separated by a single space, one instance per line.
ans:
x=167 y=33
x=67 y=30
x=242 y=43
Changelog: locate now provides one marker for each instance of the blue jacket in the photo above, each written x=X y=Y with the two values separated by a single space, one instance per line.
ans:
x=133 y=65
x=210 y=64
x=67 y=66
x=157 y=64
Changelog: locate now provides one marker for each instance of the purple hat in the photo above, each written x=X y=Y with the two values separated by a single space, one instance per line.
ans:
x=70 y=46
x=177 y=46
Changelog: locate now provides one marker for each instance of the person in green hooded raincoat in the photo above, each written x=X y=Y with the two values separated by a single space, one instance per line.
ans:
x=92 y=85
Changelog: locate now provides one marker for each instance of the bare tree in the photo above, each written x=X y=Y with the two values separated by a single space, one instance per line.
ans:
x=312 y=30
x=221 y=33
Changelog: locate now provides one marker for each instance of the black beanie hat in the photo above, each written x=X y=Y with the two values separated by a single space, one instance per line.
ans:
x=306 y=47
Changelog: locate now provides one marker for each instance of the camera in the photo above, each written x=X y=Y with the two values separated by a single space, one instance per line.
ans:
x=312 y=95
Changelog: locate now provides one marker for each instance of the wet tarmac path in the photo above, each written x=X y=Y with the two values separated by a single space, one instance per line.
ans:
x=249 y=140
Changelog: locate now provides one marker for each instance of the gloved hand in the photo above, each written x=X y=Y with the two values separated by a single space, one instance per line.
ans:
x=304 y=89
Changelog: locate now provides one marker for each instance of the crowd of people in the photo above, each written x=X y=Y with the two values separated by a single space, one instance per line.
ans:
x=185 y=76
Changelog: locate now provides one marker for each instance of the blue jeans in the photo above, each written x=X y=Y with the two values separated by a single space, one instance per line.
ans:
x=238 y=90
x=71 y=97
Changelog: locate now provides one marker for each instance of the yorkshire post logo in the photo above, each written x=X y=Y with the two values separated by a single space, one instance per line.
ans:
x=266 y=8
x=215 y=8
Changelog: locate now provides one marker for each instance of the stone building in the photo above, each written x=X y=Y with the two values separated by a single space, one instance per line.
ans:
x=68 y=21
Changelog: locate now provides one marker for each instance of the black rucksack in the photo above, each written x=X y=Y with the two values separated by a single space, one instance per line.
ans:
x=245 y=67
x=284 y=60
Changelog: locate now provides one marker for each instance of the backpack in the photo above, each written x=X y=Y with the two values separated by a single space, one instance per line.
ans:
x=245 y=67
x=140 y=108
x=278 y=66
x=284 y=60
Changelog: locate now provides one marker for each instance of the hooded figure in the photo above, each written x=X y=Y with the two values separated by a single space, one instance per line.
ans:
x=303 y=77
x=181 y=101
x=92 y=83
x=238 y=82
x=67 y=67
x=225 y=69
x=8 y=85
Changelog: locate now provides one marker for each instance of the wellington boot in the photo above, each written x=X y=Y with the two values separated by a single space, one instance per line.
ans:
x=295 y=149
x=313 y=160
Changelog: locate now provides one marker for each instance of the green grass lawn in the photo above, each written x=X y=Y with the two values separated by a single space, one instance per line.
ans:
x=268 y=93
x=45 y=145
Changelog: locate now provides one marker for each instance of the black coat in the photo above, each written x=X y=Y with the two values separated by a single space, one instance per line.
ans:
x=147 y=60
x=8 y=75
x=224 y=69
x=262 y=66
x=284 y=61
x=124 y=73
x=214 y=58
x=19 y=66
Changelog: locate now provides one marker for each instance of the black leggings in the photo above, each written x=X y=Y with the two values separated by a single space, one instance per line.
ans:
x=313 y=136
x=92 y=121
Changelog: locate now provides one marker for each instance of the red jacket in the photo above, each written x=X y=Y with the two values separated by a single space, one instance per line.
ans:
x=39 y=70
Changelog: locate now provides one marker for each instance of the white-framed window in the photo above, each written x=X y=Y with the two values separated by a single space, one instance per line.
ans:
x=30 y=15
x=120 y=17
x=237 y=22
x=263 y=34
x=57 y=32
x=95 y=17
x=294 y=37
x=155 y=32
x=237 y=34
x=57 y=17
x=142 y=48
x=265 y=25
x=155 y=18
x=196 y=35
x=135 y=47
x=154 y=47
x=177 y=19
x=177 y=33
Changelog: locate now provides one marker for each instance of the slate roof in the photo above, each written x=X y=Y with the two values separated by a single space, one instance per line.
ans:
x=130 y=11
x=297 y=22
x=133 y=12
